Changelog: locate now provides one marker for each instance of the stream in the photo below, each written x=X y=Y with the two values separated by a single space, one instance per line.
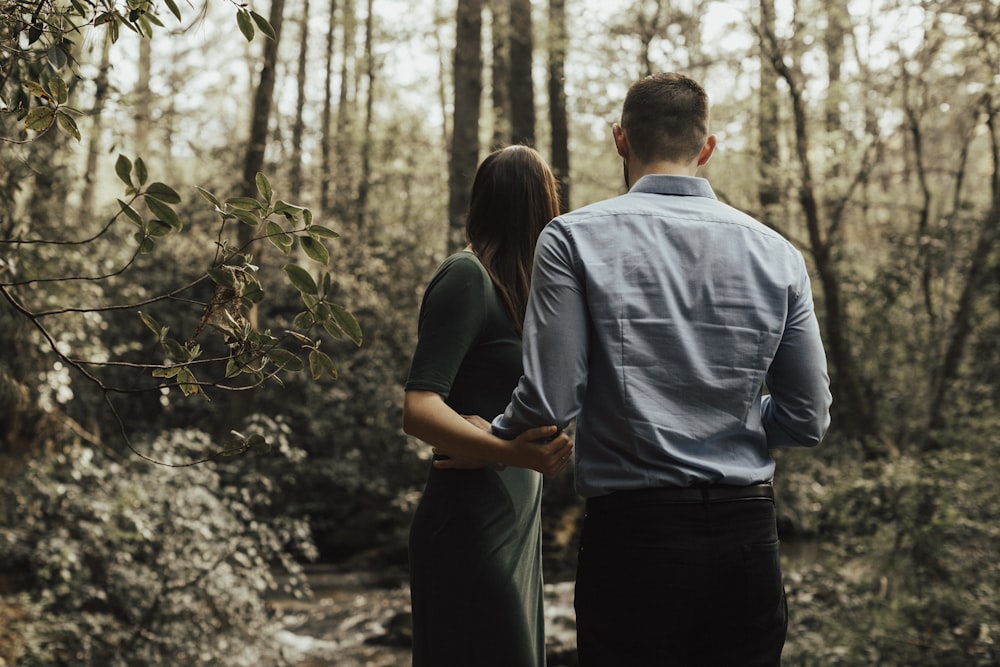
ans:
x=362 y=619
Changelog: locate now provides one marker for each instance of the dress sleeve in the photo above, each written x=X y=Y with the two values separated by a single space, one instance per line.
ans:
x=451 y=317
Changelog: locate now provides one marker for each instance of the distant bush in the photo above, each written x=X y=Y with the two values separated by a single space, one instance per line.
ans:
x=124 y=563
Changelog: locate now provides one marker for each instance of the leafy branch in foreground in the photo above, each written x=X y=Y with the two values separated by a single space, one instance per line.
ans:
x=249 y=357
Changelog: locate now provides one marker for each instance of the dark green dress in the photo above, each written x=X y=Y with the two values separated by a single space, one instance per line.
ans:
x=475 y=540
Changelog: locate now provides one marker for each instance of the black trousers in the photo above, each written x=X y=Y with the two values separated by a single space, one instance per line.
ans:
x=663 y=582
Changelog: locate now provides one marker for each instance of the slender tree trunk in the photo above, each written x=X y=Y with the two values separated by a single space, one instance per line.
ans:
x=343 y=183
x=500 y=71
x=769 y=192
x=298 y=126
x=558 y=118
x=94 y=138
x=143 y=97
x=326 y=140
x=364 y=181
x=522 y=89
x=468 y=67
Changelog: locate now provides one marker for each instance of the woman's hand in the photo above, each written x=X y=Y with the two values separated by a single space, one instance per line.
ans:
x=544 y=449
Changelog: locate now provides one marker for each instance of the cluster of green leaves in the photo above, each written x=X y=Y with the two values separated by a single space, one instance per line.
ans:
x=121 y=563
x=53 y=95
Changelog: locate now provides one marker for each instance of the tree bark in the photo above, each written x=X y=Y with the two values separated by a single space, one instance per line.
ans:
x=94 y=138
x=558 y=118
x=364 y=181
x=298 y=126
x=327 y=116
x=464 y=155
x=522 y=90
x=500 y=71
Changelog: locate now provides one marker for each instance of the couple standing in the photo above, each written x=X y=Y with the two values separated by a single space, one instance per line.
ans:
x=655 y=319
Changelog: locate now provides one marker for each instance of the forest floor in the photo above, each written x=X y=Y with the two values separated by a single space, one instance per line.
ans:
x=362 y=619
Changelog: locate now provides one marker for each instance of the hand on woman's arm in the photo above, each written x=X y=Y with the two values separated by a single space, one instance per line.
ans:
x=428 y=417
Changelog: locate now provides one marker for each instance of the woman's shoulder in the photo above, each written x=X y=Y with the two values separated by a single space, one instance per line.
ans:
x=463 y=264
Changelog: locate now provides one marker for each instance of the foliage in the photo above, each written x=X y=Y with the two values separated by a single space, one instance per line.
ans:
x=906 y=572
x=123 y=563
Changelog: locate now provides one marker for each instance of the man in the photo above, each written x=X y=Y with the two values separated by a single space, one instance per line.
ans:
x=655 y=319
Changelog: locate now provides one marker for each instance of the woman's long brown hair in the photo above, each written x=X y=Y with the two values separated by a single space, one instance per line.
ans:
x=514 y=196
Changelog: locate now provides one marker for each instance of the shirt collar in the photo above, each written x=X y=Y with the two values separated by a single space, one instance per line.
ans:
x=666 y=184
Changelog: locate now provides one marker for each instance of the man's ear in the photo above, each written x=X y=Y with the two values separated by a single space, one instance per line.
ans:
x=706 y=151
x=621 y=141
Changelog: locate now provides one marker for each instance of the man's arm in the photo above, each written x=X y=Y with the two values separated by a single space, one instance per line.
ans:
x=796 y=413
x=556 y=341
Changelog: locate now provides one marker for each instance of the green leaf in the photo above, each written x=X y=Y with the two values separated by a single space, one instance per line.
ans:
x=210 y=198
x=244 y=203
x=123 y=167
x=259 y=444
x=233 y=368
x=321 y=364
x=288 y=361
x=188 y=382
x=253 y=292
x=57 y=89
x=168 y=372
x=130 y=213
x=347 y=323
x=245 y=24
x=320 y=232
x=174 y=350
x=146 y=245
x=301 y=279
x=290 y=211
x=164 y=212
x=172 y=6
x=264 y=187
x=276 y=235
x=263 y=25
x=140 y=170
x=67 y=124
x=39 y=119
x=245 y=217
x=221 y=277
x=163 y=192
x=158 y=228
x=315 y=250
x=153 y=325
x=57 y=57
x=304 y=320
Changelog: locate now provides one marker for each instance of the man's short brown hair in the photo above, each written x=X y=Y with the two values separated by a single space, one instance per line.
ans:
x=665 y=117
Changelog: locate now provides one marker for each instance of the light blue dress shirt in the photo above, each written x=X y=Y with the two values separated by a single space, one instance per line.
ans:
x=655 y=319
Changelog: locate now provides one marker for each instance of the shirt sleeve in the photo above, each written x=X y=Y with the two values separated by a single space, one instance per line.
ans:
x=796 y=412
x=451 y=316
x=556 y=341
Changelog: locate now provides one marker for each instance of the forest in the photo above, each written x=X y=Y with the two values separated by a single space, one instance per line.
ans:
x=216 y=222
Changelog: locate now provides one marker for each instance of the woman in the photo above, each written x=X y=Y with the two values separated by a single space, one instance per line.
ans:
x=475 y=541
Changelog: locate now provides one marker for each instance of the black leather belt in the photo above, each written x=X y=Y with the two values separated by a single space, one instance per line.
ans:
x=669 y=495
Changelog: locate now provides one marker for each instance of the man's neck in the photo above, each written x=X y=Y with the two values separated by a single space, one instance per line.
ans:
x=637 y=171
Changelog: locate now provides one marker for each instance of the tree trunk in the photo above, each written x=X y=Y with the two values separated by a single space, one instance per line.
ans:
x=500 y=72
x=769 y=191
x=468 y=67
x=143 y=98
x=326 y=140
x=364 y=181
x=522 y=90
x=94 y=138
x=558 y=119
x=298 y=126
x=343 y=172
